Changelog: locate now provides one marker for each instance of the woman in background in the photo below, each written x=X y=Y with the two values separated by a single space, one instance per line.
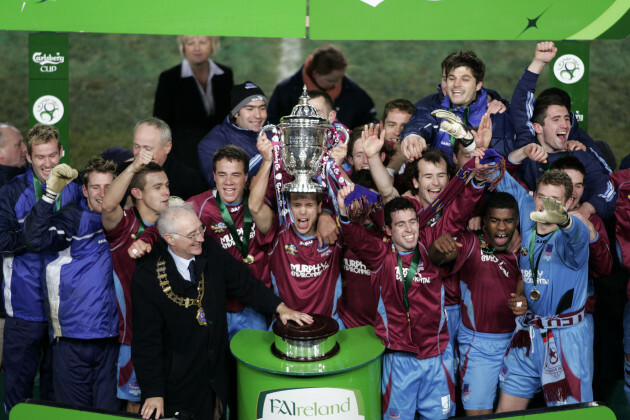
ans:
x=193 y=96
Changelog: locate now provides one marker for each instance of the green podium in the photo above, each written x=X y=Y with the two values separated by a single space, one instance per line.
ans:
x=346 y=386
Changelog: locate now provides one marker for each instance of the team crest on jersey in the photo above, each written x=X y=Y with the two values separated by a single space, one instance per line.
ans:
x=218 y=227
x=466 y=389
x=548 y=251
x=291 y=249
x=524 y=252
x=393 y=413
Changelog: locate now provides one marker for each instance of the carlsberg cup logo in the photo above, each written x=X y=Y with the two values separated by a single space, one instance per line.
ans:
x=47 y=62
x=309 y=403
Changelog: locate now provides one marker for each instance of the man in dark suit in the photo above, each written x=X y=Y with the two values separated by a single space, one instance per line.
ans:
x=180 y=340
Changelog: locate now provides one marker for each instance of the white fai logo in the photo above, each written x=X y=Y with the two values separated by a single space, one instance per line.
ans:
x=569 y=69
x=48 y=109
x=307 y=403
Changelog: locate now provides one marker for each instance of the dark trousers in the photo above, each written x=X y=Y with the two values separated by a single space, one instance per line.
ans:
x=26 y=347
x=84 y=372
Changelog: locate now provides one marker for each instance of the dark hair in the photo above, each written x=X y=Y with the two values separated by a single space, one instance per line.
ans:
x=557 y=178
x=402 y=104
x=501 y=200
x=327 y=59
x=446 y=60
x=467 y=59
x=139 y=178
x=231 y=153
x=394 y=205
x=433 y=155
x=551 y=96
x=569 y=162
x=99 y=165
x=363 y=177
x=316 y=93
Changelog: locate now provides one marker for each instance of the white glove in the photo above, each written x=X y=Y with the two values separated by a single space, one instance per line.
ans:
x=453 y=125
x=554 y=213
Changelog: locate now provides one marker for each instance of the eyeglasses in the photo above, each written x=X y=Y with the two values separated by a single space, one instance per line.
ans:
x=193 y=235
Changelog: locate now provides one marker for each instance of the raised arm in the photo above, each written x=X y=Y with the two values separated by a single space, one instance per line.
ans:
x=523 y=96
x=112 y=212
x=372 y=145
x=261 y=212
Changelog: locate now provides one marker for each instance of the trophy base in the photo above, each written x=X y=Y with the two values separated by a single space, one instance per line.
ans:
x=302 y=187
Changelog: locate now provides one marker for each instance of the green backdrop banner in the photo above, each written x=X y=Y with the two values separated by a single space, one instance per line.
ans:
x=468 y=19
x=48 y=83
x=330 y=19
x=260 y=18
x=569 y=72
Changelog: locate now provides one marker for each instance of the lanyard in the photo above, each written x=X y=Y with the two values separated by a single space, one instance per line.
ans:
x=141 y=226
x=485 y=248
x=242 y=246
x=532 y=241
x=411 y=273
x=37 y=184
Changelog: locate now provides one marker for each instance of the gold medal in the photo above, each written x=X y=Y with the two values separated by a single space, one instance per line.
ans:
x=524 y=252
x=249 y=259
x=534 y=294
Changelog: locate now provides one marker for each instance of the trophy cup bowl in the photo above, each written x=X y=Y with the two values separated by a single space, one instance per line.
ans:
x=304 y=135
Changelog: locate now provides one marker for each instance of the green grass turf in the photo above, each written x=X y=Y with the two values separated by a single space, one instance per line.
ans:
x=113 y=78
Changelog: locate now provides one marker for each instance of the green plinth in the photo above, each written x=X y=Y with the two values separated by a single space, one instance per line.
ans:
x=346 y=386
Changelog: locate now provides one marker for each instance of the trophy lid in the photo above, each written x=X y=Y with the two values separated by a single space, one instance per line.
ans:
x=304 y=111
x=308 y=342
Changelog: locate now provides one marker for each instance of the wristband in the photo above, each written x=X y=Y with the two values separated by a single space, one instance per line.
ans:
x=50 y=196
x=565 y=225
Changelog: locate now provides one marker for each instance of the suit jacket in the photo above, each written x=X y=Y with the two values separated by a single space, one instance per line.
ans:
x=174 y=356
x=178 y=102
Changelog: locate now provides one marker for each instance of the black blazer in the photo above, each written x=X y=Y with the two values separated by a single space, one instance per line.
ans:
x=178 y=102
x=175 y=357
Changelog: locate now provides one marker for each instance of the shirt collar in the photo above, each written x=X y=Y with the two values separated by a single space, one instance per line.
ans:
x=181 y=264
x=215 y=70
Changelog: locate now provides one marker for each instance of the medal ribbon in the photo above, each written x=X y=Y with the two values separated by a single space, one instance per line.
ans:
x=141 y=226
x=532 y=242
x=242 y=246
x=283 y=206
x=411 y=273
x=39 y=191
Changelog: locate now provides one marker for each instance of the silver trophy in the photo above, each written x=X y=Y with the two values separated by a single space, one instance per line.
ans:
x=303 y=134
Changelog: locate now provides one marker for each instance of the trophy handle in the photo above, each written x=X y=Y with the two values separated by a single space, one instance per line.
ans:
x=265 y=129
x=344 y=131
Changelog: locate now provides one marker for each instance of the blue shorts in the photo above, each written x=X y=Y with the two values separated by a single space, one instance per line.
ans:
x=481 y=359
x=626 y=328
x=521 y=375
x=248 y=317
x=453 y=318
x=410 y=385
x=128 y=388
